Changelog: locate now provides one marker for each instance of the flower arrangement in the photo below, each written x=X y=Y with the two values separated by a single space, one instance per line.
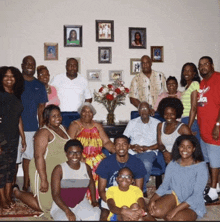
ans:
x=111 y=96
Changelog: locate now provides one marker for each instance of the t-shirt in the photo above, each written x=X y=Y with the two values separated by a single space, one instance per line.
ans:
x=208 y=107
x=124 y=198
x=72 y=93
x=33 y=95
x=109 y=167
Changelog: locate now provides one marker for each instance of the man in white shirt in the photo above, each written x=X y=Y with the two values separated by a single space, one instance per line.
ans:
x=143 y=134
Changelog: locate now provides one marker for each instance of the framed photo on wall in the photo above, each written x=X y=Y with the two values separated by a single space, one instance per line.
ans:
x=50 y=51
x=157 y=53
x=104 y=31
x=115 y=74
x=135 y=66
x=72 y=36
x=137 y=38
x=105 y=54
x=94 y=75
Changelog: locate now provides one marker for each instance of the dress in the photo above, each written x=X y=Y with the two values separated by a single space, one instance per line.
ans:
x=11 y=109
x=54 y=155
x=169 y=139
x=188 y=183
x=92 y=151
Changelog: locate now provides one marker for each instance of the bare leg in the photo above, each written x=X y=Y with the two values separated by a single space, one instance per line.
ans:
x=3 y=200
x=8 y=194
x=25 y=165
x=185 y=215
x=214 y=181
x=104 y=214
x=15 y=176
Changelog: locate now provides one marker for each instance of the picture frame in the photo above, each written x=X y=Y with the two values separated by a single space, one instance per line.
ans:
x=104 y=31
x=79 y=62
x=137 y=38
x=73 y=36
x=157 y=54
x=94 y=75
x=135 y=66
x=50 y=51
x=115 y=74
x=105 y=54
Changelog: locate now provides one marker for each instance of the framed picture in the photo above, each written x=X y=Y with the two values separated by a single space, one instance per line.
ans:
x=105 y=54
x=50 y=51
x=72 y=36
x=157 y=53
x=104 y=31
x=94 y=75
x=79 y=62
x=135 y=66
x=137 y=38
x=115 y=74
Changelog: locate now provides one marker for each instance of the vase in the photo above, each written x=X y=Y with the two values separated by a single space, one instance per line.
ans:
x=110 y=118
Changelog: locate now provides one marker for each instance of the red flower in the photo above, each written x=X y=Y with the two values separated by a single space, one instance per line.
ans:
x=118 y=91
x=110 y=86
x=109 y=97
x=100 y=90
x=126 y=90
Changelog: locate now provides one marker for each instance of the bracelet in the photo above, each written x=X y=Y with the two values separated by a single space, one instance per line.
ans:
x=163 y=150
x=144 y=213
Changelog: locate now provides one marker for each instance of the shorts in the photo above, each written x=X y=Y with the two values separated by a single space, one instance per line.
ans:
x=211 y=154
x=29 y=152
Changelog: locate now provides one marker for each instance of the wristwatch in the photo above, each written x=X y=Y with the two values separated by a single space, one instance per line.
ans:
x=217 y=124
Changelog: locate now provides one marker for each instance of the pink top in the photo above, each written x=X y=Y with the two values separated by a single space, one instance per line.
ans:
x=52 y=97
x=164 y=95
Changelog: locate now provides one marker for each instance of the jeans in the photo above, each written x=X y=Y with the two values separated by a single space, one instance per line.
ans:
x=147 y=159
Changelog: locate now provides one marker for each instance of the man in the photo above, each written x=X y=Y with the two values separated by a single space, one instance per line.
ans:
x=143 y=134
x=33 y=99
x=72 y=88
x=208 y=116
x=147 y=85
x=109 y=167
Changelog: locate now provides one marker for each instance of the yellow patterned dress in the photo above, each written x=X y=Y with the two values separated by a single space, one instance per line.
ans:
x=92 y=151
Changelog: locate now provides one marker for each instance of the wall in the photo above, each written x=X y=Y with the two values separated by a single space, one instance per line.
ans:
x=188 y=29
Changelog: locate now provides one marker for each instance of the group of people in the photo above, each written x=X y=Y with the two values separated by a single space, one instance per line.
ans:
x=67 y=176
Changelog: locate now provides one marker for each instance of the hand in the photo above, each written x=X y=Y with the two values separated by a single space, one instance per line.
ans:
x=134 y=147
x=129 y=214
x=95 y=204
x=215 y=133
x=152 y=207
x=70 y=215
x=171 y=214
x=24 y=145
x=44 y=186
x=140 y=149
x=167 y=156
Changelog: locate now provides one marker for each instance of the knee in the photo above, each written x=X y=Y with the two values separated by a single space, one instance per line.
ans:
x=104 y=214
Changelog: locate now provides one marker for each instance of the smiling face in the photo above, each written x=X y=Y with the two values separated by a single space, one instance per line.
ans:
x=188 y=73
x=121 y=147
x=124 y=179
x=186 y=149
x=170 y=115
x=74 y=154
x=28 y=66
x=205 y=68
x=44 y=76
x=86 y=114
x=172 y=86
x=55 y=118
x=8 y=80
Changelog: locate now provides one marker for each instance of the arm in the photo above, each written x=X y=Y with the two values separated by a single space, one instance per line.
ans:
x=55 y=190
x=73 y=130
x=134 y=101
x=193 y=110
x=184 y=130
x=88 y=100
x=215 y=131
x=21 y=131
x=40 y=110
x=102 y=183
x=139 y=183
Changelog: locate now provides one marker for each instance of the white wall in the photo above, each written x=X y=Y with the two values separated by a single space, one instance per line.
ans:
x=188 y=29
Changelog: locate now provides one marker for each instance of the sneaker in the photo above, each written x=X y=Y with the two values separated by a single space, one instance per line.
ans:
x=208 y=199
x=218 y=188
x=206 y=190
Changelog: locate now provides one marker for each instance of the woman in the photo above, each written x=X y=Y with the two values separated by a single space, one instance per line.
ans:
x=73 y=38
x=11 y=88
x=180 y=196
x=170 y=109
x=43 y=75
x=48 y=152
x=93 y=137
x=69 y=183
x=190 y=80
x=137 y=41
x=172 y=86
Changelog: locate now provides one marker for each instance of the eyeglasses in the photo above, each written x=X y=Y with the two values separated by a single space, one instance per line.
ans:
x=204 y=64
x=125 y=176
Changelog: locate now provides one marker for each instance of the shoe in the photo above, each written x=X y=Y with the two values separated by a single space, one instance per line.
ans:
x=218 y=188
x=206 y=190
x=208 y=199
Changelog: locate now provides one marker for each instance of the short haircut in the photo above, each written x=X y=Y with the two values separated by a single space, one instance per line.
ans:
x=121 y=136
x=196 y=77
x=171 y=78
x=73 y=142
x=170 y=102
x=89 y=105
x=71 y=59
x=40 y=68
x=47 y=111
x=126 y=168
x=142 y=103
x=197 y=154
x=207 y=57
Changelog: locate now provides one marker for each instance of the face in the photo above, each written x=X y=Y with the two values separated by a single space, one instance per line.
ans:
x=74 y=154
x=186 y=149
x=55 y=118
x=121 y=147
x=28 y=66
x=146 y=64
x=72 y=67
x=137 y=36
x=124 y=178
x=188 y=73
x=144 y=110
x=86 y=114
x=73 y=34
x=8 y=80
x=170 y=115
x=205 y=68
x=44 y=76
x=172 y=86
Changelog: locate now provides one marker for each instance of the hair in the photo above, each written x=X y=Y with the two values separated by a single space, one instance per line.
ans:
x=70 y=34
x=139 y=35
x=207 y=57
x=197 y=154
x=73 y=142
x=89 y=105
x=195 y=70
x=47 y=111
x=171 y=78
x=121 y=136
x=126 y=168
x=141 y=104
x=18 y=87
x=26 y=57
x=71 y=59
x=170 y=102
x=40 y=68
